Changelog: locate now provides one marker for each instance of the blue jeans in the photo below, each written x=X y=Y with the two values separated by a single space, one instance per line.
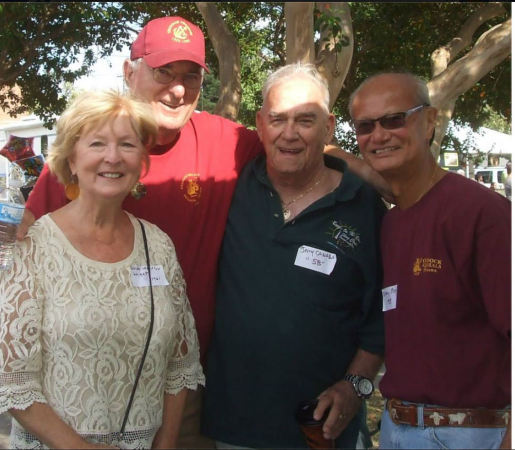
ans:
x=394 y=436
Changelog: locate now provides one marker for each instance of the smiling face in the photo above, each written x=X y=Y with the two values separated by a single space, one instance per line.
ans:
x=294 y=127
x=107 y=159
x=172 y=103
x=389 y=151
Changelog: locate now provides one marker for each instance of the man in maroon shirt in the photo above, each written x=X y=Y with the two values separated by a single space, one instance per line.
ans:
x=446 y=298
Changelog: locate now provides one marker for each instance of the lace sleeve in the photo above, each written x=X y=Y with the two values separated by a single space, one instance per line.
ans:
x=184 y=369
x=20 y=330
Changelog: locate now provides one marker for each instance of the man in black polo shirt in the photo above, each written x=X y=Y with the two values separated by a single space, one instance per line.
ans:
x=298 y=308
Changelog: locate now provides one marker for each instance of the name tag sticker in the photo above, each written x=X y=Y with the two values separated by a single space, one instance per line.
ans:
x=390 y=298
x=314 y=259
x=139 y=276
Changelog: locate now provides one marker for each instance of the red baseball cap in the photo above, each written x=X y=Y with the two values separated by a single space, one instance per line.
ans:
x=169 y=39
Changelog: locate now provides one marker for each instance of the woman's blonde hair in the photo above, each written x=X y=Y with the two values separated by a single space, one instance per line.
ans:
x=87 y=111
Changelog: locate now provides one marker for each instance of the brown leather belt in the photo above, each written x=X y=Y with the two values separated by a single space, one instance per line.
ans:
x=406 y=414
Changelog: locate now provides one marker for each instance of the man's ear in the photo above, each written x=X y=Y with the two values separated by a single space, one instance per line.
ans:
x=259 y=123
x=331 y=123
x=128 y=72
x=431 y=113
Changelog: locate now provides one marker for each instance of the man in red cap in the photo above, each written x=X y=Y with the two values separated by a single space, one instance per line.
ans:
x=193 y=171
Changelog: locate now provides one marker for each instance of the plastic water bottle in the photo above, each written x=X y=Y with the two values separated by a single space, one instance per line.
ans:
x=12 y=206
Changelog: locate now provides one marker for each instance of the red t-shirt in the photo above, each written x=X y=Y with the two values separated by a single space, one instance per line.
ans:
x=189 y=191
x=448 y=340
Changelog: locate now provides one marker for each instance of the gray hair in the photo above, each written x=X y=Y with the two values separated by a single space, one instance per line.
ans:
x=308 y=71
x=420 y=90
x=135 y=63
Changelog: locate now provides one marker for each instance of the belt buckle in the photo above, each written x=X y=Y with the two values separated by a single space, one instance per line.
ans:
x=398 y=412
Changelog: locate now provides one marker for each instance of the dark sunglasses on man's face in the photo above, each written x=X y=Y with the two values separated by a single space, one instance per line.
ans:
x=388 y=122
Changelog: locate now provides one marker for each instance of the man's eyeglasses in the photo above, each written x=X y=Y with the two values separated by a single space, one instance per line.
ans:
x=165 y=75
x=388 y=122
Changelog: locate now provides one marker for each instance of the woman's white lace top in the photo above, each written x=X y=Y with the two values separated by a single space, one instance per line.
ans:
x=73 y=330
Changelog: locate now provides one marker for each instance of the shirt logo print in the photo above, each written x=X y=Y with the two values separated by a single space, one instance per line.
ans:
x=426 y=265
x=344 y=235
x=191 y=188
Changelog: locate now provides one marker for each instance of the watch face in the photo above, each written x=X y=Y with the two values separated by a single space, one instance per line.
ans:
x=365 y=386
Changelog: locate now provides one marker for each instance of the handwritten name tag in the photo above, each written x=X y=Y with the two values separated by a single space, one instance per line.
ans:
x=389 y=298
x=139 y=276
x=315 y=259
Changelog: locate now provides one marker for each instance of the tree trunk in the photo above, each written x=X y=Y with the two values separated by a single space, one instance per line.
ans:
x=227 y=51
x=299 y=32
x=334 y=60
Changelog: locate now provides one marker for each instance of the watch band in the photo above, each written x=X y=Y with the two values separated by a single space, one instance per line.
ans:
x=355 y=381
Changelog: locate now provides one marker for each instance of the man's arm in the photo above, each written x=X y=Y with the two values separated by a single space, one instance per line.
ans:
x=46 y=196
x=362 y=169
x=342 y=398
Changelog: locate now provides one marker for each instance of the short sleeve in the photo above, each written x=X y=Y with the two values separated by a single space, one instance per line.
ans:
x=184 y=368
x=47 y=194
x=20 y=331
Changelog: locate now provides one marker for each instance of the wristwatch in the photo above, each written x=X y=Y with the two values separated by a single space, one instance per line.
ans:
x=362 y=385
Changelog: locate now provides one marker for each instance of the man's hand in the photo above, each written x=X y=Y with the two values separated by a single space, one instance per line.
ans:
x=27 y=220
x=344 y=403
x=363 y=170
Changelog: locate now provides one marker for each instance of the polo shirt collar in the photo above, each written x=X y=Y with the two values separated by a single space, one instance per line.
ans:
x=347 y=190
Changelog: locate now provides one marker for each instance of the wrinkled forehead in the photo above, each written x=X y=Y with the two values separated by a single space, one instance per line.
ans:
x=297 y=95
x=384 y=95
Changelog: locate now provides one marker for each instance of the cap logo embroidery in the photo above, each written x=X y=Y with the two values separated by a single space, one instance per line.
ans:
x=180 y=32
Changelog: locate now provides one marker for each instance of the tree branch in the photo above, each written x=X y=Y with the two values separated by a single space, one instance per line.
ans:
x=490 y=49
x=334 y=60
x=441 y=57
x=299 y=32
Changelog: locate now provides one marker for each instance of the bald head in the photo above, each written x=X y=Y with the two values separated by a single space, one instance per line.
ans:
x=398 y=82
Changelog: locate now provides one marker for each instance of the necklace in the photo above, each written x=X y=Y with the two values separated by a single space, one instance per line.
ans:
x=286 y=210
x=429 y=185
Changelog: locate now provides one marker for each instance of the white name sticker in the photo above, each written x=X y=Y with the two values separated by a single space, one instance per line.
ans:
x=314 y=259
x=389 y=298
x=139 y=276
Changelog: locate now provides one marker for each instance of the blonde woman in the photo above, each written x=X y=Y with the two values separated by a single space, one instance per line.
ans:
x=82 y=325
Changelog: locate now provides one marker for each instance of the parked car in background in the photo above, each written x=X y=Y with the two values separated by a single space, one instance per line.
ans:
x=492 y=174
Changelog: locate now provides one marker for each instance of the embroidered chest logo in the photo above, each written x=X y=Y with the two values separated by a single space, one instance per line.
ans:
x=180 y=32
x=426 y=265
x=190 y=187
x=344 y=235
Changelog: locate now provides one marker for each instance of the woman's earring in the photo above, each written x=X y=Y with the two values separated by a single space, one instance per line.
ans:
x=72 y=189
x=139 y=190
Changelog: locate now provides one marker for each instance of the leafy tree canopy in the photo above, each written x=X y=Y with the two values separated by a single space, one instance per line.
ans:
x=46 y=44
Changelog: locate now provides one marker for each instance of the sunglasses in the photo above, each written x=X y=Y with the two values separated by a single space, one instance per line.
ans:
x=165 y=75
x=388 y=122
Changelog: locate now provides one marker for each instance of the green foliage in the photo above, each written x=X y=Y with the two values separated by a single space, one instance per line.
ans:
x=209 y=93
x=402 y=36
x=46 y=46
x=327 y=22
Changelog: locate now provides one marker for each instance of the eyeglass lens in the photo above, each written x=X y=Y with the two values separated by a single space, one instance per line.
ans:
x=165 y=75
x=390 y=122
